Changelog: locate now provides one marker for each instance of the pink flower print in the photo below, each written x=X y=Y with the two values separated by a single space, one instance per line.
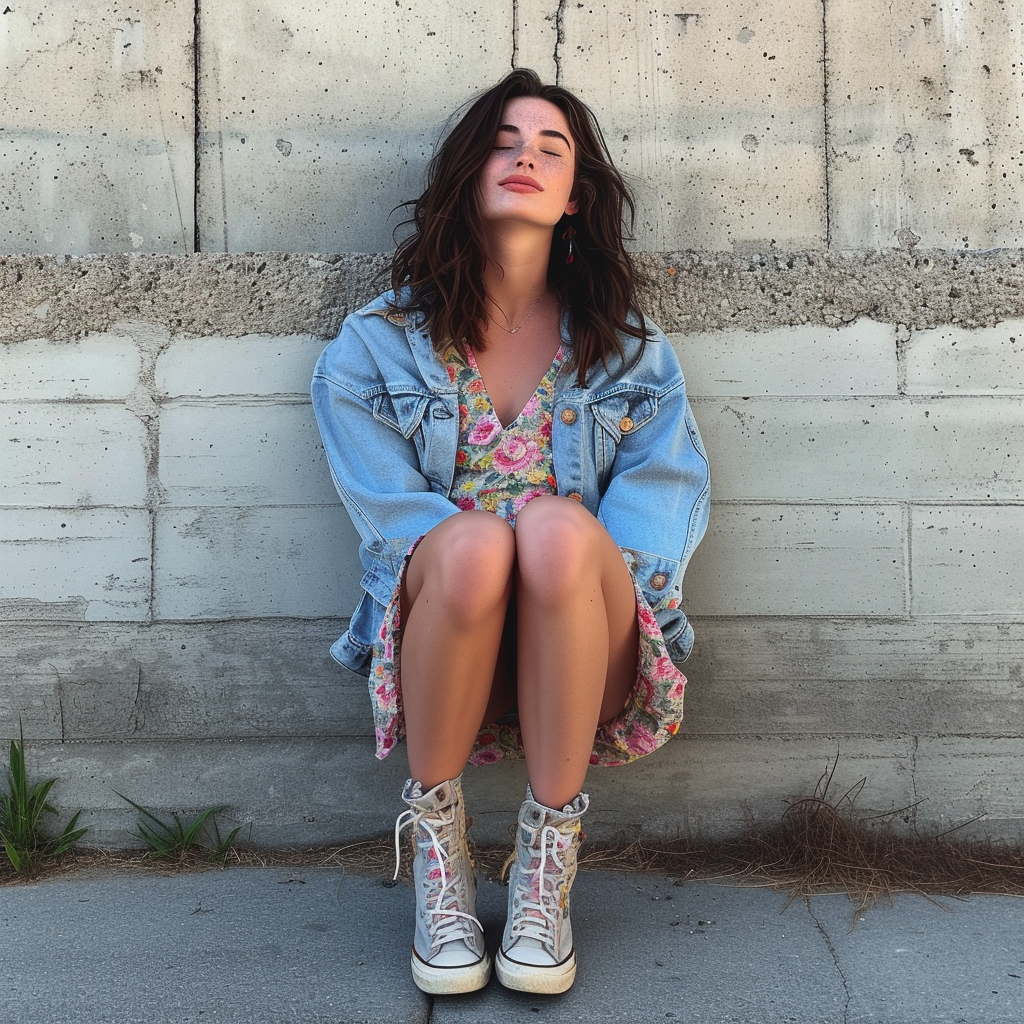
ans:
x=665 y=669
x=485 y=430
x=466 y=504
x=643 y=740
x=648 y=623
x=516 y=453
x=486 y=756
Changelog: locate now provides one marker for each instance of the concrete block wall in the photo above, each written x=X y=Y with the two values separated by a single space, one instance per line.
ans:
x=176 y=563
x=815 y=182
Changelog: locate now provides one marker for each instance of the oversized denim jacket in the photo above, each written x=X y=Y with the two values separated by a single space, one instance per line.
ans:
x=626 y=446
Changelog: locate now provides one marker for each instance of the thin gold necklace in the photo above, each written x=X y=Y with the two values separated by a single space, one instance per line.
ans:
x=515 y=330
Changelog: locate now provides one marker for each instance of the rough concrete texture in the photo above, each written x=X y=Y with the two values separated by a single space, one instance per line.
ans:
x=64 y=298
x=97 y=130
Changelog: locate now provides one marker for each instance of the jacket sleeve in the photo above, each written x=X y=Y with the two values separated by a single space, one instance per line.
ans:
x=370 y=429
x=655 y=505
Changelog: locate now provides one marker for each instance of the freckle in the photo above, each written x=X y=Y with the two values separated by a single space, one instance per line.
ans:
x=672 y=271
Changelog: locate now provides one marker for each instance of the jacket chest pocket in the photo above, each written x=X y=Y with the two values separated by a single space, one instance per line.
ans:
x=401 y=410
x=421 y=419
x=616 y=417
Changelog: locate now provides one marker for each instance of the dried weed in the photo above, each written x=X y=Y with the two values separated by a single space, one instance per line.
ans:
x=820 y=845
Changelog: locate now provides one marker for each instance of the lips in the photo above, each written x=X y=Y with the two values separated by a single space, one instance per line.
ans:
x=520 y=183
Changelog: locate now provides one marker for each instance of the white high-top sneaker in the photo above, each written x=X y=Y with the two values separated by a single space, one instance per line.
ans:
x=448 y=954
x=536 y=952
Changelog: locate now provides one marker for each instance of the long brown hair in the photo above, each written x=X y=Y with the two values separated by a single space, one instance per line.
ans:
x=440 y=265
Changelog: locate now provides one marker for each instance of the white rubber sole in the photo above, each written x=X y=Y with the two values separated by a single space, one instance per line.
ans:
x=450 y=981
x=531 y=978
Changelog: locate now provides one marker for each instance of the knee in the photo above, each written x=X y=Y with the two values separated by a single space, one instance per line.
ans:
x=470 y=566
x=556 y=546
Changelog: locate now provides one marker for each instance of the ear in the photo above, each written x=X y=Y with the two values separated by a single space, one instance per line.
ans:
x=572 y=206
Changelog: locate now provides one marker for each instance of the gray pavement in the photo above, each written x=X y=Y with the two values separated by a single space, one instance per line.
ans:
x=317 y=946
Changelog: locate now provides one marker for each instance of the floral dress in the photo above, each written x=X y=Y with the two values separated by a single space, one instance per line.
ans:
x=499 y=469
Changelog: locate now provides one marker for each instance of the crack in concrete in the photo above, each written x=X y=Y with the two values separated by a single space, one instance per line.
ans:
x=136 y=724
x=60 y=704
x=143 y=403
x=515 y=33
x=916 y=798
x=835 y=959
x=559 y=39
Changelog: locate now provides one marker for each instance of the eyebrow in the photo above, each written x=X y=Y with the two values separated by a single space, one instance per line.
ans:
x=549 y=133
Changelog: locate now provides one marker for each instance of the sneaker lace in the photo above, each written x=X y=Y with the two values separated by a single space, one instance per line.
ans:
x=540 y=903
x=446 y=923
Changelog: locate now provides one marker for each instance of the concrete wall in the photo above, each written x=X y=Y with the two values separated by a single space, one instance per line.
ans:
x=814 y=182
x=167 y=126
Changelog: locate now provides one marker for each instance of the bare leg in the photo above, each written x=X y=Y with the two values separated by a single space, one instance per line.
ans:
x=577 y=640
x=456 y=592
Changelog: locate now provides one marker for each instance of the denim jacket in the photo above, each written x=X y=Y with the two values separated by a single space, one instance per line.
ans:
x=626 y=446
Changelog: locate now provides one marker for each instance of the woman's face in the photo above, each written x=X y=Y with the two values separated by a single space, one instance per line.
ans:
x=529 y=175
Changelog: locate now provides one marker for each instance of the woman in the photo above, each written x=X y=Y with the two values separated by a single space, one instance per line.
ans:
x=513 y=442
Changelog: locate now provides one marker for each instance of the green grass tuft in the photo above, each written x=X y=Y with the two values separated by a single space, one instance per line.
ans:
x=177 y=838
x=22 y=810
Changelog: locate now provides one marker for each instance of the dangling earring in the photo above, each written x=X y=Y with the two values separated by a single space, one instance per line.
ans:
x=569 y=232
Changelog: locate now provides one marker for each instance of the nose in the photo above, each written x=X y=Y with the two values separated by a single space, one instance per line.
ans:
x=524 y=160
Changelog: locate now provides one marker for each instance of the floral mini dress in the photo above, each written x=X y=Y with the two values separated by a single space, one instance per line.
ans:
x=499 y=469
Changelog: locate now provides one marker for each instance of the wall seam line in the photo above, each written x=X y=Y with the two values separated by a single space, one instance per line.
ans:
x=908 y=559
x=825 y=119
x=196 y=241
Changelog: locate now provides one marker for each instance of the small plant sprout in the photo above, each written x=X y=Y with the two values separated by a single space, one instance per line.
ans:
x=22 y=809
x=175 y=839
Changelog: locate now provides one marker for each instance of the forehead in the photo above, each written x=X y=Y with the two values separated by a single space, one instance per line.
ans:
x=532 y=114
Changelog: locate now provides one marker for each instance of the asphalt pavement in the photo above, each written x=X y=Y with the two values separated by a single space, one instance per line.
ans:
x=319 y=946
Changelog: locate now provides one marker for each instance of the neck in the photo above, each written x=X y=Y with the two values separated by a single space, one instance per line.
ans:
x=517 y=269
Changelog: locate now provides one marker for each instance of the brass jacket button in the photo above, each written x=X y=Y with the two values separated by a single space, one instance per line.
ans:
x=625 y=424
x=578 y=497
x=568 y=416
x=658 y=581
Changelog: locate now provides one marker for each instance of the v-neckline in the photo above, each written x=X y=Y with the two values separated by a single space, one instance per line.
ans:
x=472 y=363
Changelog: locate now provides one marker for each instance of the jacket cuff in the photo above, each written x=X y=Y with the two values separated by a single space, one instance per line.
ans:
x=385 y=568
x=659 y=578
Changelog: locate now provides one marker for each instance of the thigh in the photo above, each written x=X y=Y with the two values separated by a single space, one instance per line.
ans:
x=461 y=567
x=504 y=695
x=565 y=556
